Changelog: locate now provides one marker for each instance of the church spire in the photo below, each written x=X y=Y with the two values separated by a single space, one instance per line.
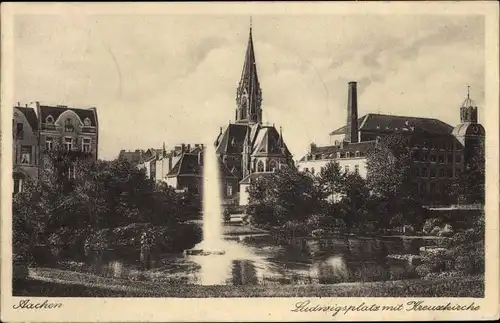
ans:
x=249 y=94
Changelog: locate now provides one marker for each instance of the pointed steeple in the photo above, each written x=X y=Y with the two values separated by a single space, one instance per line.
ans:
x=249 y=94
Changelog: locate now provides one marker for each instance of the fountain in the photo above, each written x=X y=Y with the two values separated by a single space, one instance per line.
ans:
x=212 y=210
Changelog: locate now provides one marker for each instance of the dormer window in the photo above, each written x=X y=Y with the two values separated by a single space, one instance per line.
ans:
x=68 y=125
x=87 y=122
x=357 y=154
x=49 y=120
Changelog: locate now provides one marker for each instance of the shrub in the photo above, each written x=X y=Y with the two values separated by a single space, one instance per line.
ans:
x=318 y=233
x=423 y=270
x=431 y=224
x=435 y=231
x=447 y=231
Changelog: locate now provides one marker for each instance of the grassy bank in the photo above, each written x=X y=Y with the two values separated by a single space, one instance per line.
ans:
x=60 y=283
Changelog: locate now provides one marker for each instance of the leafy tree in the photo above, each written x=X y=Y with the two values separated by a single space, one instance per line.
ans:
x=390 y=180
x=284 y=196
x=332 y=180
x=355 y=194
x=469 y=186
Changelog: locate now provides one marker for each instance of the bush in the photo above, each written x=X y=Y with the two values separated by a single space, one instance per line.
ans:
x=431 y=224
x=318 y=233
x=423 y=270
x=435 y=231
x=447 y=231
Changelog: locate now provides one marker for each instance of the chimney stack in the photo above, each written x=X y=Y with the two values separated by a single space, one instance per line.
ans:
x=200 y=158
x=351 y=129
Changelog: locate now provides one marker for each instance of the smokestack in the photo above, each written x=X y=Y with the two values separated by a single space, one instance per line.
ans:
x=351 y=129
x=200 y=159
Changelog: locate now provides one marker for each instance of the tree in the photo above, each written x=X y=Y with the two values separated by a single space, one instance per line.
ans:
x=332 y=180
x=391 y=182
x=469 y=186
x=355 y=194
x=284 y=196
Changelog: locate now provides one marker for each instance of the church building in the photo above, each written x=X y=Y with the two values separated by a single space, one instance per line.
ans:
x=248 y=147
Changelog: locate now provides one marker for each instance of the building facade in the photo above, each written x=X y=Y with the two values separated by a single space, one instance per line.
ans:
x=36 y=132
x=25 y=150
x=439 y=150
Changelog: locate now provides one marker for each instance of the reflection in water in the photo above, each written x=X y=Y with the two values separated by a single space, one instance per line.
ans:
x=255 y=262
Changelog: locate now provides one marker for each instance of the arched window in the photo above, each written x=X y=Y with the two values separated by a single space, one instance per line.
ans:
x=68 y=125
x=273 y=165
x=86 y=122
x=260 y=166
x=49 y=119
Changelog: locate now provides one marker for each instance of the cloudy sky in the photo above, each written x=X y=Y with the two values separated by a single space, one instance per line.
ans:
x=173 y=79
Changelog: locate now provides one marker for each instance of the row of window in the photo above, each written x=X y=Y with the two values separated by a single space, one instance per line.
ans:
x=346 y=169
x=347 y=154
x=424 y=172
x=68 y=122
x=68 y=144
x=442 y=159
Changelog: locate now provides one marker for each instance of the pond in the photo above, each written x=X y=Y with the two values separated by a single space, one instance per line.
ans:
x=259 y=260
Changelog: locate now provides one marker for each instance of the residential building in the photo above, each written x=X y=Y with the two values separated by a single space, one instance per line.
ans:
x=36 y=132
x=25 y=149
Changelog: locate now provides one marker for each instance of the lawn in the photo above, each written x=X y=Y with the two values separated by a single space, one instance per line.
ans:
x=59 y=283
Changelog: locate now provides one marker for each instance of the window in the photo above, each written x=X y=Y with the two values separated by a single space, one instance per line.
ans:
x=441 y=159
x=449 y=172
x=18 y=185
x=459 y=159
x=68 y=143
x=424 y=158
x=86 y=122
x=433 y=172
x=68 y=126
x=25 y=154
x=449 y=159
x=433 y=158
x=356 y=169
x=260 y=166
x=49 y=120
x=441 y=173
x=71 y=172
x=338 y=155
x=197 y=188
x=229 y=190
x=86 y=145
x=19 y=131
x=346 y=168
x=416 y=172
x=273 y=165
x=48 y=143
x=312 y=170
x=424 y=172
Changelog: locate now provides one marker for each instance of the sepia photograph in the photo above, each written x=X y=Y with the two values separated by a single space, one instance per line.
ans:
x=248 y=155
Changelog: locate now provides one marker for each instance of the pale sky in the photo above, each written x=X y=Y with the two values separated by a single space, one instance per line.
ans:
x=173 y=79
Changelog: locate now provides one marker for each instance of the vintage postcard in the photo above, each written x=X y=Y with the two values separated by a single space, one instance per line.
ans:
x=249 y=161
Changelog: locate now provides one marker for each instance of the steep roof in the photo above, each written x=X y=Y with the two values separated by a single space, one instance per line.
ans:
x=385 y=123
x=30 y=115
x=188 y=165
x=56 y=111
x=264 y=140
x=232 y=139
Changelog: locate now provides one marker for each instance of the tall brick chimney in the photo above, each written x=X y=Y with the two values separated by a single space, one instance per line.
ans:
x=351 y=129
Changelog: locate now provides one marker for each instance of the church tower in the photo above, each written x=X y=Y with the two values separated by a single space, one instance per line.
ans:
x=249 y=93
x=469 y=133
